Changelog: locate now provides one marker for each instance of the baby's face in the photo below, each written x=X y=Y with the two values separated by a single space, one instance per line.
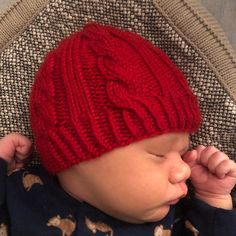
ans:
x=136 y=183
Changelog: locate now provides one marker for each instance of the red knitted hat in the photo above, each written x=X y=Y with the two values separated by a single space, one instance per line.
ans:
x=103 y=88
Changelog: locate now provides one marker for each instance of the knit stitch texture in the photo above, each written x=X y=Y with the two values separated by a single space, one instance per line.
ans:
x=103 y=88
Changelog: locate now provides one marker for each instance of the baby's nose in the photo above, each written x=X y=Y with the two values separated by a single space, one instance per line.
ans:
x=180 y=171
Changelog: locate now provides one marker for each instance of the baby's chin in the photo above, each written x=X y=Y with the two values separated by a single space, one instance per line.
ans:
x=147 y=217
x=155 y=214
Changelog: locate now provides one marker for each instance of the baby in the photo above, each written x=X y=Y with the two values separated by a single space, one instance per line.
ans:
x=111 y=117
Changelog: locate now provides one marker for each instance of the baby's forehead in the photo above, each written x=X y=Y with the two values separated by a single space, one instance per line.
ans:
x=165 y=142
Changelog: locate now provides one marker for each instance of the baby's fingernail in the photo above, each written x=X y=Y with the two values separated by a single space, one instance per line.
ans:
x=201 y=147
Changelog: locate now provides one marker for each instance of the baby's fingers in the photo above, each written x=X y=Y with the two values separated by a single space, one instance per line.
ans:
x=226 y=168
x=24 y=148
x=213 y=161
x=217 y=162
x=207 y=154
x=190 y=158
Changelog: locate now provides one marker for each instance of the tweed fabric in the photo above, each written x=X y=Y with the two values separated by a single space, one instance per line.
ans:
x=157 y=22
x=104 y=88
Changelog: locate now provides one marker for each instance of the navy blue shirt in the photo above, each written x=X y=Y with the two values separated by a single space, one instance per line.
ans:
x=32 y=203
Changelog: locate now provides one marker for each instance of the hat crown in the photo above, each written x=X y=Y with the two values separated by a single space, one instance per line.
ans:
x=103 y=88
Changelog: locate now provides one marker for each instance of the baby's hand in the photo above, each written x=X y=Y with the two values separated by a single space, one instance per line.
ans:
x=213 y=174
x=15 y=149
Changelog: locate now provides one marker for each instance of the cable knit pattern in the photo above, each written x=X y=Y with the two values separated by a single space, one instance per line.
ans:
x=103 y=88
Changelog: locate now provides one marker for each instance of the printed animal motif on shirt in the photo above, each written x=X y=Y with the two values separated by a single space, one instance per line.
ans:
x=160 y=231
x=3 y=230
x=10 y=172
x=98 y=226
x=67 y=226
x=29 y=180
x=189 y=226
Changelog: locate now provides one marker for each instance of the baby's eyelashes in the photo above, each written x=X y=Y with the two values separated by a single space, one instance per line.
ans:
x=158 y=155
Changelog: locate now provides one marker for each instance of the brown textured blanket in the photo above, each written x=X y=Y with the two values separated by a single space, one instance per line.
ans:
x=182 y=28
